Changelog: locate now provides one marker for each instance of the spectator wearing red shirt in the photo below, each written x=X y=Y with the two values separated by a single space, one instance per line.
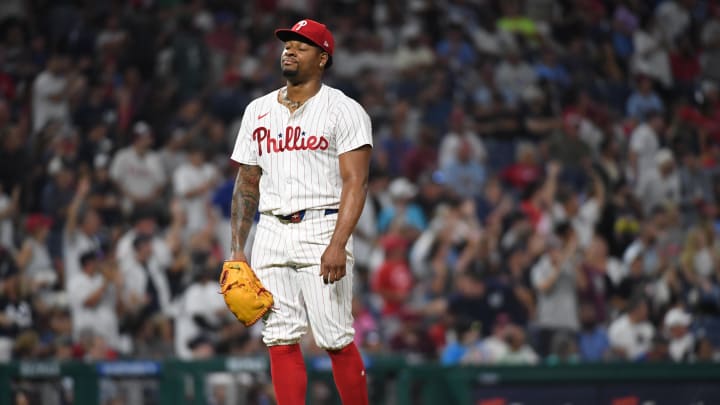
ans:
x=525 y=170
x=393 y=280
x=685 y=62
x=423 y=157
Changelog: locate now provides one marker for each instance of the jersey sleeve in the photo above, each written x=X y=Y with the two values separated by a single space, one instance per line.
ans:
x=245 y=150
x=354 y=128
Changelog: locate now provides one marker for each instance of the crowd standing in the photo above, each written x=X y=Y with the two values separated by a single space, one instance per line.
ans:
x=543 y=189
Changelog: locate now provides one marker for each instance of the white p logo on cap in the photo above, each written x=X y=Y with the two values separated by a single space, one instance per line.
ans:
x=299 y=25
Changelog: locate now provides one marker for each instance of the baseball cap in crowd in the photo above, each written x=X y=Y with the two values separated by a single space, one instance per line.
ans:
x=677 y=317
x=402 y=188
x=36 y=221
x=312 y=31
x=141 y=129
x=664 y=156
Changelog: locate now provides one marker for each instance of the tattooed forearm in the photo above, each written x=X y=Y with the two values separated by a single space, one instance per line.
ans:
x=244 y=204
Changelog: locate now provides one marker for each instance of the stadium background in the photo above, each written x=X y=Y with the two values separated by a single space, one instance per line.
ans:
x=543 y=194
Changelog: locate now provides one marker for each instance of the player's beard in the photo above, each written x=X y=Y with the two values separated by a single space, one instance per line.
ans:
x=290 y=73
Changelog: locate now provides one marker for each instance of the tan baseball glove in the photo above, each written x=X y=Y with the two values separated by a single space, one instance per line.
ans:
x=244 y=294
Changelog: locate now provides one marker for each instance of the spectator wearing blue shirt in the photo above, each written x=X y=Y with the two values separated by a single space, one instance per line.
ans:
x=403 y=215
x=465 y=175
x=467 y=347
x=395 y=147
x=593 y=341
x=549 y=69
x=643 y=100
x=456 y=50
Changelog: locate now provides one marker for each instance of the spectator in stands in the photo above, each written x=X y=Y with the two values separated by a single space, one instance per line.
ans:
x=423 y=157
x=367 y=333
x=137 y=171
x=34 y=258
x=404 y=215
x=650 y=56
x=9 y=318
x=466 y=175
x=593 y=342
x=51 y=91
x=395 y=146
x=525 y=170
x=145 y=223
x=192 y=183
x=645 y=142
x=412 y=338
x=9 y=207
x=82 y=231
x=514 y=75
x=460 y=136
x=710 y=41
x=660 y=186
x=466 y=347
x=519 y=351
x=201 y=311
x=93 y=298
x=104 y=196
x=696 y=186
x=571 y=152
x=582 y=216
x=145 y=293
x=393 y=281
x=468 y=300
x=549 y=69
x=57 y=194
x=676 y=326
x=631 y=335
x=555 y=279
x=596 y=284
x=643 y=100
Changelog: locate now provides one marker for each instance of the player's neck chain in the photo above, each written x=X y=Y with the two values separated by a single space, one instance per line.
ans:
x=293 y=105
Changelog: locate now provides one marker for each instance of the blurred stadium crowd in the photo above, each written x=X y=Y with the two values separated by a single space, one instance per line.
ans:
x=543 y=189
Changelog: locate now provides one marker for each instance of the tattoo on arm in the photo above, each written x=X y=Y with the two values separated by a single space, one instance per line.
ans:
x=244 y=204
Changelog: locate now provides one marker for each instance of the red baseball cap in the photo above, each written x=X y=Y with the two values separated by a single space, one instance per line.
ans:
x=312 y=31
x=35 y=221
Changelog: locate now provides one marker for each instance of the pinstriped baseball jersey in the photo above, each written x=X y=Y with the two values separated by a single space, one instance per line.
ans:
x=298 y=152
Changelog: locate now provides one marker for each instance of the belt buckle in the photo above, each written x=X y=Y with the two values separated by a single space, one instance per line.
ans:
x=295 y=217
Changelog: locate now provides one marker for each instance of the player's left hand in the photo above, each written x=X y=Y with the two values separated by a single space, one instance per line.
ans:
x=332 y=264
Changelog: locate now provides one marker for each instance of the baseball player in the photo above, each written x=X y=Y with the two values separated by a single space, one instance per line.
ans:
x=304 y=153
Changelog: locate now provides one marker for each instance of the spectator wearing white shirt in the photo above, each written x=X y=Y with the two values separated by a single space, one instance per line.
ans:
x=458 y=137
x=631 y=335
x=144 y=222
x=583 y=216
x=50 y=93
x=193 y=182
x=93 y=300
x=650 y=55
x=677 y=328
x=34 y=258
x=146 y=291
x=201 y=311
x=82 y=231
x=146 y=295
x=9 y=204
x=514 y=74
x=138 y=171
x=660 y=186
x=644 y=144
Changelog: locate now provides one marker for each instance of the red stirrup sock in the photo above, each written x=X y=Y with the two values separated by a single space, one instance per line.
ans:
x=349 y=374
x=289 y=377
